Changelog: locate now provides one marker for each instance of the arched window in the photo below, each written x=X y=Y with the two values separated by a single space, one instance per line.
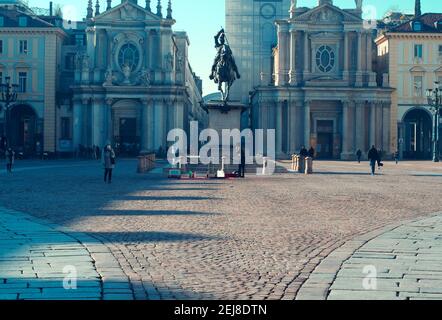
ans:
x=129 y=55
x=325 y=59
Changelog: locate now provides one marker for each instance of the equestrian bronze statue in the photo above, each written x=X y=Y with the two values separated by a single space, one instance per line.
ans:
x=224 y=69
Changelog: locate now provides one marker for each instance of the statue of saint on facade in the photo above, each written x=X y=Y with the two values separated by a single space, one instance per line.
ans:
x=168 y=62
x=109 y=77
x=144 y=77
x=126 y=73
x=224 y=69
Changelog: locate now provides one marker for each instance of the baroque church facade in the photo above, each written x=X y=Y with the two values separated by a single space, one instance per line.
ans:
x=324 y=92
x=120 y=76
x=133 y=82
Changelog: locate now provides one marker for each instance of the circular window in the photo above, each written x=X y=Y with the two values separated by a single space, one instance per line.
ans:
x=325 y=59
x=129 y=55
x=268 y=11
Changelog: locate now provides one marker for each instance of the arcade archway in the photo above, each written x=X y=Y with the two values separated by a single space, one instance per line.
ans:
x=417 y=135
x=22 y=129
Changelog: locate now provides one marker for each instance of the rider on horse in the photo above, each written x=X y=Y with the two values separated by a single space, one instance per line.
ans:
x=224 y=53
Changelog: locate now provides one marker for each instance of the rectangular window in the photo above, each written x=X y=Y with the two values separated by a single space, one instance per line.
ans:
x=2 y=22
x=1 y=46
x=23 y=46
x=69 y=62
x=22 y=21
x=418 y=88
x=79 y=39
x=65 y=128
x=440 y=51
x=418 y=51
x=22 y=81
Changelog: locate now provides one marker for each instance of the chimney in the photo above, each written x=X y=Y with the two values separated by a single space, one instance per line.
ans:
x=417 y=9
x=50 y=9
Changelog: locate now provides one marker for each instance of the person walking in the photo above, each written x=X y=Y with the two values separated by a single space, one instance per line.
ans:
x=108 y=156
x=373 y=157
x=10 y=157
x=396 y=157
x=359 y=155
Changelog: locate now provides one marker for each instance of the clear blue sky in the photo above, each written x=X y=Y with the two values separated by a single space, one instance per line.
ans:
x=202 y=19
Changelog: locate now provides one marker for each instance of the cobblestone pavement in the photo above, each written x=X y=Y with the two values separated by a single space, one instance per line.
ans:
x=40 y=261
x=257 y=238
x=401 y=264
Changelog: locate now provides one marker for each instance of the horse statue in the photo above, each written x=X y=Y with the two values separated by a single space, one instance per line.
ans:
x=224 y=69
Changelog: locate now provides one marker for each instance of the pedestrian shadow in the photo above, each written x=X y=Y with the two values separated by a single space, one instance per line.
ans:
x=148 y=236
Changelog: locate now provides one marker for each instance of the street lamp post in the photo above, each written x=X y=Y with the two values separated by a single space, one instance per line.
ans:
x=8 y=96
x=434 y=101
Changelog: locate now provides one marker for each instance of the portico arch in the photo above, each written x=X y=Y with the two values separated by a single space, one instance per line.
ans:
x=22 y=127
x=417 y=134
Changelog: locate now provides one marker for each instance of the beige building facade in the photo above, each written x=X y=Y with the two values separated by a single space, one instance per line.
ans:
x=411 y=53
x=30 y=53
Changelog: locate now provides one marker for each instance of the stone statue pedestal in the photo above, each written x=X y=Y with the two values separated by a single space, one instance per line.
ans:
x=225 y=115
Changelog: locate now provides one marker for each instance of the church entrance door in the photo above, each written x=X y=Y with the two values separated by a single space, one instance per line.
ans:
x=324 y=147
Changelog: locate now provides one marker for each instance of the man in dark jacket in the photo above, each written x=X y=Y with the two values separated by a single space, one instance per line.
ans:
x=373 y=157
x=303 y=152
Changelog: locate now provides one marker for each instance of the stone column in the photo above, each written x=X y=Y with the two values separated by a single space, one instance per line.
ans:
x=386 y=127
x=77 y=124
x=369 y=52
x=158 y=123
x=372 y=124
x=346 y=57
x=306 y=55
x=179 y=114
x=307 y=123
x=359 y=57
x=360 y=132
x=278 y=128
x=352 y=128
x=292 y=74
x=145 y=127
x=379 y=131
x=97 y=123
x=345 y=130
x=282 y=52
x=108 y=123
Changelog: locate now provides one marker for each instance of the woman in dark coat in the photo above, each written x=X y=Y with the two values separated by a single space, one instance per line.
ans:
x=108 y=159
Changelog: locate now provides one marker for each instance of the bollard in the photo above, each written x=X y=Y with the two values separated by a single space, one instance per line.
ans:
x=308 y=165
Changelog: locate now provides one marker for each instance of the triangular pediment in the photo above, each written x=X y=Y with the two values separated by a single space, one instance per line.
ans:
x=327 y=13
x=126 y=11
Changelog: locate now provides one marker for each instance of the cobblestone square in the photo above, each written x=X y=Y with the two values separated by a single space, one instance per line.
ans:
x=267 y=238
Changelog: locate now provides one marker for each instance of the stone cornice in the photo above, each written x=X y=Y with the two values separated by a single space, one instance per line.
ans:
x=34 y=31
